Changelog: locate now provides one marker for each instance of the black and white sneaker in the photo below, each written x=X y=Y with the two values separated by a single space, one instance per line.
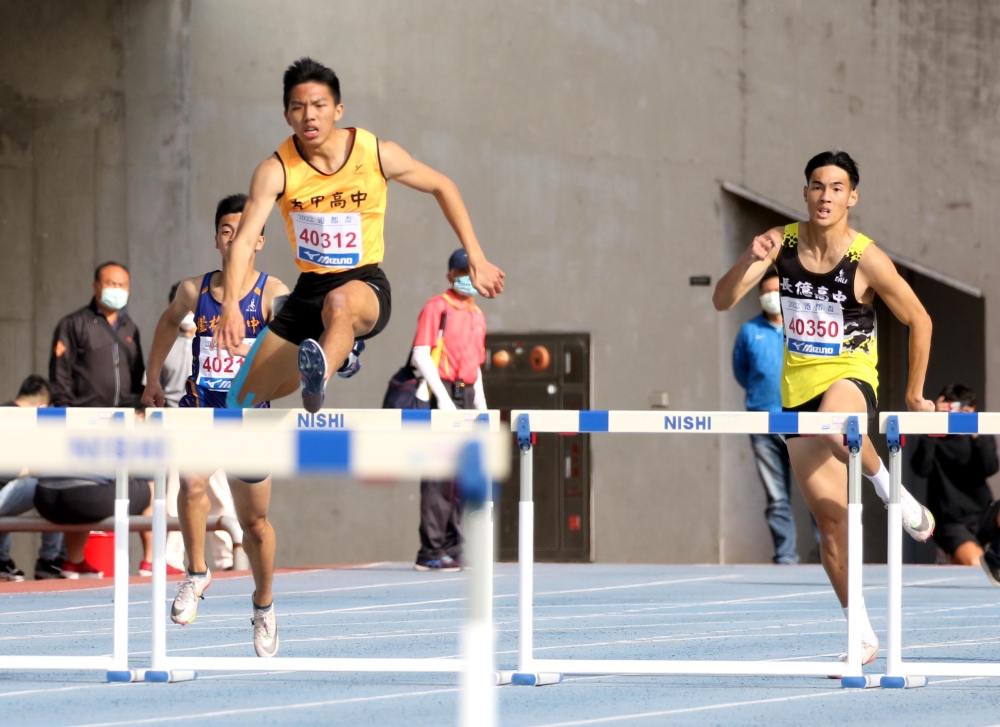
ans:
x=312 y=375
x=10 y=572
x=352 y=364
x=48 y=569
x=990 y=562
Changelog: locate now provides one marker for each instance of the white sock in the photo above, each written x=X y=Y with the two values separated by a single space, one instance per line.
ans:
x=881 y=481
x=867 y=632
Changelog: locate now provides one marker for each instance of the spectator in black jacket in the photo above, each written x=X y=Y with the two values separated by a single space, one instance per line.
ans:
x=956 y=467
x=96 y=356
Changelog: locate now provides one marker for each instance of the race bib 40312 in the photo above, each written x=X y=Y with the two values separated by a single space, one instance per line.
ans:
x=328 y=240
x=813 y=327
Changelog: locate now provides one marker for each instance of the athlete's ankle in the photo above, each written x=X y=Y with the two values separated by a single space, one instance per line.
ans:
x=880 y=480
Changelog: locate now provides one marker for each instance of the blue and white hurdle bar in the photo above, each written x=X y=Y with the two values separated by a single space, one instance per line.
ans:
x=896 y=426
x=377 y=425
x=434 y=447
x=536 y=672
x=37 y=424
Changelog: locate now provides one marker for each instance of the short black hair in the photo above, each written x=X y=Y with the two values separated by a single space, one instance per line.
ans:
x=34 y=385
x=960 y=393
x=771 y=272
x=306 y=70
x=108 y=264
x=231 y=205
x=835 y=158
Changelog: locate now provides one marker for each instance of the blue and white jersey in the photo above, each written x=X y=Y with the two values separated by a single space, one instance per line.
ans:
x=213 y=371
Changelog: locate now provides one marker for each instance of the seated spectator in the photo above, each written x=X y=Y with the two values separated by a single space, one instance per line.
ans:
x=17 y=497
x=956 y=467
x=73 y=500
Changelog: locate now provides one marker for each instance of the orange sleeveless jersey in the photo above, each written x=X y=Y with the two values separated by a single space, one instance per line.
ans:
x=334 y=221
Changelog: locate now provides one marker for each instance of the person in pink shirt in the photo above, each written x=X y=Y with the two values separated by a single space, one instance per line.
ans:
x=448 y=350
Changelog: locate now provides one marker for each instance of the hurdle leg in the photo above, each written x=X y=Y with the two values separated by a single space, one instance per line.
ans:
x=120 y=671
x=158 y=671
x=853 y=676
x=894 y=677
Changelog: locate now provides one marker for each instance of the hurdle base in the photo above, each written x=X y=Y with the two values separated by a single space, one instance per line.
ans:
x=865 y=681
x=500 y=678
x=125 y=676
x=540 y=679
x=888 y=682
x=158 y=676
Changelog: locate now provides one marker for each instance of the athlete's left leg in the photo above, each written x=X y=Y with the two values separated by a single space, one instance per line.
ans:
x=845 y=395
x=251 y=500
x=349 y=312
x=269 y=371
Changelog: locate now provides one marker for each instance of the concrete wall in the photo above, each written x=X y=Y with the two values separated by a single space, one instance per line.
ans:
x=589 y=140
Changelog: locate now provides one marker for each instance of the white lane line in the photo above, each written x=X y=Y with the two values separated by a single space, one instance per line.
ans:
x=272 y=708
x=704 y=708
x=630 y=585
x=119 y=685
x=353 y=588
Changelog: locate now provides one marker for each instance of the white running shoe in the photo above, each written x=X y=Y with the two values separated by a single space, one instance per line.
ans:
x=265 y=631
x=869 y=651
x=917 y=519
x=189 y=592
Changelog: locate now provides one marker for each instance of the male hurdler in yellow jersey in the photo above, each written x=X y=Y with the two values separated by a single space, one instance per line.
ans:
x=330 y=184
x=829 y=275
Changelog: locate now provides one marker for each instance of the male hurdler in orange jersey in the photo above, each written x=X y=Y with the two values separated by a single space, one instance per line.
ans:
x=330 y=184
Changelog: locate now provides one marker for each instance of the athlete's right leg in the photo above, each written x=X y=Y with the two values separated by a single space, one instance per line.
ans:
x=270 y=371
x=192 y=511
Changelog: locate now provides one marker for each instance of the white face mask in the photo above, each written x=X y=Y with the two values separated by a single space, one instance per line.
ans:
x=114 y=298
x=188 y=323
x=771 y=302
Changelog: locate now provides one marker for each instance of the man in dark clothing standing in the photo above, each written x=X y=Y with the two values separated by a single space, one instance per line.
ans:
x=956 y=467
x=96 y=357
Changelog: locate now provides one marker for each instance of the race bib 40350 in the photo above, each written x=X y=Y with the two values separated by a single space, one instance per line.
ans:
x=328 y=240
x=813 y=327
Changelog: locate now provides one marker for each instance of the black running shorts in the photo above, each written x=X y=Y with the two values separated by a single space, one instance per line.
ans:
x=72 y=500
x=301 y=316
x=871 y=403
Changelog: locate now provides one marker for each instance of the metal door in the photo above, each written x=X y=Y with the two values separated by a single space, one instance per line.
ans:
x=545 y=371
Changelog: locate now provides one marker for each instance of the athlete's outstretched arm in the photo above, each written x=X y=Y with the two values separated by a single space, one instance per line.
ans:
x=267 y=183
x=748 y=270
x=398 y=165
x=881 y=275
x=184 y=302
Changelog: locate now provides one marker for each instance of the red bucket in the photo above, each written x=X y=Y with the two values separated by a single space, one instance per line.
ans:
x=100 y=552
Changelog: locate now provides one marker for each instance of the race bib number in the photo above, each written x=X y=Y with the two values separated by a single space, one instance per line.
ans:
x=813 y=327
x=217 y=369
x=328 y=240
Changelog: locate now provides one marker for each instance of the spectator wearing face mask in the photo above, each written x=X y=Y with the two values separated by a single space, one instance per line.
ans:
x=96 y=357
x=757 y=361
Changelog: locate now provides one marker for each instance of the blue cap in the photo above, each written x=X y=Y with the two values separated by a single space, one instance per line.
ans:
x=458 y=260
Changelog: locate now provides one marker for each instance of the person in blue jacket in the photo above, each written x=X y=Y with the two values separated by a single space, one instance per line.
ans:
x=757 y=360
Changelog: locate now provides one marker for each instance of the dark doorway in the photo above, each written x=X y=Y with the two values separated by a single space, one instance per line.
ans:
x=545 y=371
x=958 y=355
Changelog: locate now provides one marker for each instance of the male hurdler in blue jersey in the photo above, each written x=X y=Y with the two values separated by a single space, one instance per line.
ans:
x=212 y=373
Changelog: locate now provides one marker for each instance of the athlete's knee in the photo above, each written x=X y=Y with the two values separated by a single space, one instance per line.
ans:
x=192 y=488
x=336 y=305
x=255 y=528
x=835 y=443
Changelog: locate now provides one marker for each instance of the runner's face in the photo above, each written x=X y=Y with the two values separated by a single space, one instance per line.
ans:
x=312 y=112
x=829 y=196
x=224 y=235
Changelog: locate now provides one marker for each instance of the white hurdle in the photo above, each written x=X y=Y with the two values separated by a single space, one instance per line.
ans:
x=895 y=426
x=475 y=456
x=382 y=429
x=534 y=672
x=36 y=422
